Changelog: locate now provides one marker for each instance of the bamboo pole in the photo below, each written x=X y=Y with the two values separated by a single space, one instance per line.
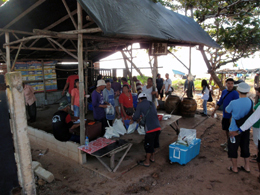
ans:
x=81 y=83
x=16 y=57
x=190 y=60
x=69 y=13
x=86 y=76
x=132 y=64
x=179 y=60
x=7 y=49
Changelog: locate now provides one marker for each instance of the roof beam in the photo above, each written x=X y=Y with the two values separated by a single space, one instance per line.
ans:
x=60 y=20
x=69 y=13
x=89 y=30
x=15 y=31
x=23 y=14
x=42 y=49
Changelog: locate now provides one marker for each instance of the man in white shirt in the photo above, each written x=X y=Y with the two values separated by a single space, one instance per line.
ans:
x=150 y=90
x=167 y=84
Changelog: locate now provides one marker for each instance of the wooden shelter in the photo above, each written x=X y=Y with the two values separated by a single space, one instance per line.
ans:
x=60 y=30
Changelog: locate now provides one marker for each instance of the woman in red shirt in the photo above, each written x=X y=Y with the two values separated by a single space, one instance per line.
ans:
x=126 y=103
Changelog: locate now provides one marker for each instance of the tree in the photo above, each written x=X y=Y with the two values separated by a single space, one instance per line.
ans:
x=2 y=2
x=233 y=24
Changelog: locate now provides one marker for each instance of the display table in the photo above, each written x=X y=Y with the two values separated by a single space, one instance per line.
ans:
x=106 y=147
x=173 y=122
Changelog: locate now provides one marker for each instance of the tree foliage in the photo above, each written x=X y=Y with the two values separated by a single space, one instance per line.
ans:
x=2 y=2
x=233 y=24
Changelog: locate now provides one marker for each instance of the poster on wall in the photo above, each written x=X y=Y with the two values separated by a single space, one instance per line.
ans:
x=32 y=74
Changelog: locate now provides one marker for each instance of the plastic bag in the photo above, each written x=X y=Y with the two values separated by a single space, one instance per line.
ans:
x=186 y=136
x=119 y=127
x=141 y=130
x=110 y=110
x=131 y=128
x=110 y=132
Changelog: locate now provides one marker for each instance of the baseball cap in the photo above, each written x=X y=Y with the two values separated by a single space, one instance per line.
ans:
x=142 y=95
x=63 y=105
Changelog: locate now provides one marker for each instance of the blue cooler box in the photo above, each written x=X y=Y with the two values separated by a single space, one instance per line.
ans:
x=184 y=154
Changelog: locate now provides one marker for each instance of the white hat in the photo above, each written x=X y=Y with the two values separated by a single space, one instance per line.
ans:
x=100 y=83
x=141 y=95
x=243 y=87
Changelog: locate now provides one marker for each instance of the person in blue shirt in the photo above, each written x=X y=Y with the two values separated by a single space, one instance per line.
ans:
x=239 y=109
x=227 y=96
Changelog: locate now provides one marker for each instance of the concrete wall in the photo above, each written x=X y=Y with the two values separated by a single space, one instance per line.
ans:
x=68 y=149
x=52 y=97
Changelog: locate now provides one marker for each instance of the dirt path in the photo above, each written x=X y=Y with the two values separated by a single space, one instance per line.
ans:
x=206 y=174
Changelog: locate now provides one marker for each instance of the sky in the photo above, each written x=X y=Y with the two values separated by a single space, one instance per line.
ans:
x=168 y=62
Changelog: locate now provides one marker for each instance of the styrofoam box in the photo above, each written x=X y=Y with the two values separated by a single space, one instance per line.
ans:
x=184 y=154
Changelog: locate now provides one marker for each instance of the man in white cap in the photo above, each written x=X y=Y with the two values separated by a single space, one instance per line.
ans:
x=239 y=109
x=98 y=104
x=151 y=125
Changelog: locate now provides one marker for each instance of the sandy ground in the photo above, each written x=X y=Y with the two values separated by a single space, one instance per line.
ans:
x=206 y=174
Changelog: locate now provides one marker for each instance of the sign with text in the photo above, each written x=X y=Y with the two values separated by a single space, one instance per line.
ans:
x=157 y=49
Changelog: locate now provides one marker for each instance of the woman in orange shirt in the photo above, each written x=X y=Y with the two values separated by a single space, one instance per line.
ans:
x=126 y=103
x=75 y=98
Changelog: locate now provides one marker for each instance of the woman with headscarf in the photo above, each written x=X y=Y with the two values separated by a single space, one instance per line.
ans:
x=205 y=97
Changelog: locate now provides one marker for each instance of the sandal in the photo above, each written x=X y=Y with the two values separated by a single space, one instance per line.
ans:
x=142 y=163
x=243 y=169
x=231 y=169
x=152 y=160
x=253 y=160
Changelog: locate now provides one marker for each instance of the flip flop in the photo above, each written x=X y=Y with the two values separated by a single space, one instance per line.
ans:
x=152 y=160
x=142 y=163
x=231 y=170
x=243 y=169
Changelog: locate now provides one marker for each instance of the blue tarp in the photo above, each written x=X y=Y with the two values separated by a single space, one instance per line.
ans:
x=178 y=72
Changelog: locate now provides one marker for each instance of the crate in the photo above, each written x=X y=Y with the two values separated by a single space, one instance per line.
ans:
x=184 y=154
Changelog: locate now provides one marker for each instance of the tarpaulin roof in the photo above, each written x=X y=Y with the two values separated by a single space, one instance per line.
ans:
x=130 y=20
x=145 y=19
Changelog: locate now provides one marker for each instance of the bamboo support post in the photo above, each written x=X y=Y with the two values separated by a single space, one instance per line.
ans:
x=19 y=129
x=8 y=57
x=16 y=57
x=81 y=84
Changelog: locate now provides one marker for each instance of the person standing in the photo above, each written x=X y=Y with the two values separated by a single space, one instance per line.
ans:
x=151 y=94
x=253 y=119
x=109 y=98
x=126 y=103
x=30 y=102
x=116 y=86
x=239 y=109
x=189 y=86
x=69 y=83
x=205 y=97
x=99 y=104
x=167 y=85
x=75 y=98
x=63 y=127
x=227 y=96
x=138 y=85
x=152 y=127
x=159 y=85
x=124 y=81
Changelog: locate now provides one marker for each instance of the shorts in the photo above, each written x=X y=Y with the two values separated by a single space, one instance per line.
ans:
x=76 y=111
x=258 y=155
x=151 y=141
x=242 y=141
x=225 y=124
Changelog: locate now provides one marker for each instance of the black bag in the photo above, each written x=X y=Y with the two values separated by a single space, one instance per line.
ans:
x=210 y=97
x=143 y=120
x=241 y=121
x=129 y=111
